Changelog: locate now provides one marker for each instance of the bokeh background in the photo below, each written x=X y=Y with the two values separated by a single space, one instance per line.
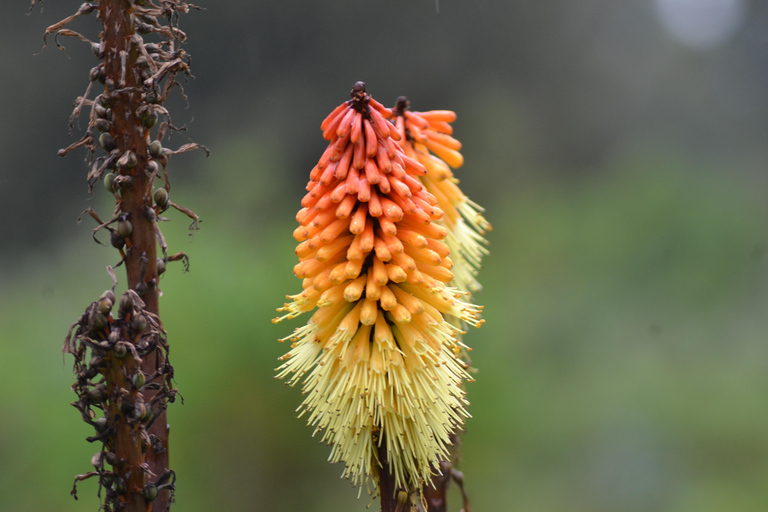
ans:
x=619 y=147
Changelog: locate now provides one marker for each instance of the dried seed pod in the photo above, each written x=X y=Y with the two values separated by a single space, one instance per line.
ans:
x=91 y=372
x=101 y=111
x=139 y=379
x=111 y=458
x=97 y=74
x=103 y=125
x=120 y=487
x=141 y=288
x=152 y=167
x=156 y=148
x=96 y=362
x=100 y=424
x=160 y=266
x=98 y=394
x=107 y=141
x=98 y=49
x=124 y=228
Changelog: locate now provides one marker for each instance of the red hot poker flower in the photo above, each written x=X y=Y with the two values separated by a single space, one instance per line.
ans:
x=378 y=357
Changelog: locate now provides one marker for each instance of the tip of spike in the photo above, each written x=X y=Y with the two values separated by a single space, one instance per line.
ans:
x=358 y=88
x=401 y=105
x=359 y=97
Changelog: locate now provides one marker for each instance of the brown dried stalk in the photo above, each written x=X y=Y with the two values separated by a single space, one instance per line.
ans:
x=123 y=377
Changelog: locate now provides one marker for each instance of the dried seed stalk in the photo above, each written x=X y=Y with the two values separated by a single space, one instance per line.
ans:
x=123 y=376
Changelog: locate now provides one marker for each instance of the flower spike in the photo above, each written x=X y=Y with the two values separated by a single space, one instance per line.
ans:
x=426 y=138
x=378 y=359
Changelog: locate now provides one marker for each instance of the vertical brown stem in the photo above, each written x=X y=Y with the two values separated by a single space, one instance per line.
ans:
x=386 y=482
x=124 y=90
x=436 y=493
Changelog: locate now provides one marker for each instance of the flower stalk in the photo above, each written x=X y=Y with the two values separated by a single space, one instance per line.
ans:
x=123 y=375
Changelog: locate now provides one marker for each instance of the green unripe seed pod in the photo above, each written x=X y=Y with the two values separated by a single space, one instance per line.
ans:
x=139 y=322
x=124 y=228
x=116 y=240
x=139 y=380
x=98 y=320
x=150 y=492
x=150 y=120
x=156 y=148
x=107 y=142
x=109 y=182
x=105 y=305
x=108 y=294
x=126 y=303
x=121 y=348
x=147 y=414
x=131 y=163
x=161 y=198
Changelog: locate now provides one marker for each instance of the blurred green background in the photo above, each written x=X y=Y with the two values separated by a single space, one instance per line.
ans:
x=619 y=148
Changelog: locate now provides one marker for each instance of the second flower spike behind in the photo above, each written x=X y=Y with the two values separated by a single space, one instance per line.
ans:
x=378 y=357
x=426 y=137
